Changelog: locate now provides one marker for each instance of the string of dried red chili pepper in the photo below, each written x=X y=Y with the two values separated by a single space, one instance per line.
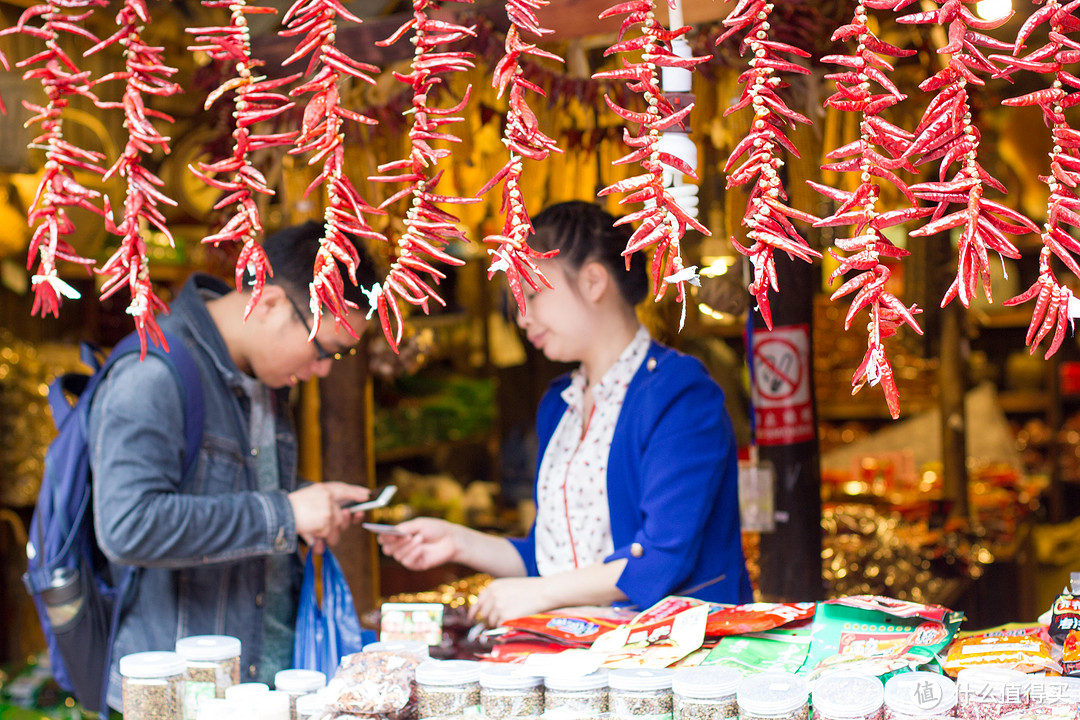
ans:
x=662 y=222
x=58 y=189
x=428 y=228
x=1055 y=305
x=864 y=250
x=768 y=217
x=522 y=135
x=322 y=134
x=255 y=100
x=946 y=133
x=144 y=74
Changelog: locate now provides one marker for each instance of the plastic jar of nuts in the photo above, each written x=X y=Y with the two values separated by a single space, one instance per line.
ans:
x=773 y=696
x=640 y=693
x=413 y=648
x=843 y=696
x=152 y=686
x=296 y=683
x=507 y=692
x=583 y=694
x=446 y=687
x=705 y=693
x=987 y=693
x=213 y=664
x=918 y=695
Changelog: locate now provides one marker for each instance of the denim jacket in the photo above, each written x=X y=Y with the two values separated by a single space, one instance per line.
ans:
x=202 y=547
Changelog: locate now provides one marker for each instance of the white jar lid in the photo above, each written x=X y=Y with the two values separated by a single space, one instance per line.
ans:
x=212 y=708
x=705 y=682
x=152 y=665
x=502 y=676
x=208 y=648
x=416 y=648
x=920 y=693
x=592 y=681
x=447 y=672
x=307 y=705
x=273 y=705
x=246 y=691
x=772 y=693
x=299 y=681
x=847 y=695
x=640 y=679
x=993 y=684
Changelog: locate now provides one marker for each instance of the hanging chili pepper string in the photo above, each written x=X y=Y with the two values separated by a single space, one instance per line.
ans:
x=768 y=217
x=512 y=254
x=662 y=223
x=864 y=250
x=1055 y=305
x=322 y=133
x=58 y=190
x=145 y=74
x=255 y=100
x=429 y=230
x=946 y=133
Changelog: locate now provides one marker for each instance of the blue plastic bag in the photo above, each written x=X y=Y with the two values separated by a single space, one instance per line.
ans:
x=325 y=634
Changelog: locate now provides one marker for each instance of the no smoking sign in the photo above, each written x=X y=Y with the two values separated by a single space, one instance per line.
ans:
x=781 y=391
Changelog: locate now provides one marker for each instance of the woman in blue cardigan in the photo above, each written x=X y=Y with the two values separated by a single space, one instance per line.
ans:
x=636 y=490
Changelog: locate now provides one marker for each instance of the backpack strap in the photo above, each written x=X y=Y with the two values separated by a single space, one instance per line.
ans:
x=186 y=372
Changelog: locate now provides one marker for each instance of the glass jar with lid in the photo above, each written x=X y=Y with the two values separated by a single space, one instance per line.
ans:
x=152 y=686
x=844 y=696
x=987 y=693
x=296 y=683
x=577 y=694
x=213 y=664
x=506 y=691
x=916 y=695
x=705 y=693
x=447 y=687
x=309 y=706
x=773 y=696
x=640 y=693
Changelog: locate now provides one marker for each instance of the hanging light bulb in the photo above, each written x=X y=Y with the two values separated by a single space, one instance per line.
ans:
x=993 y=9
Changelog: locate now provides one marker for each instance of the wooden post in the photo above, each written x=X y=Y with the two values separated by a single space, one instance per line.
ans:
x=952 y=381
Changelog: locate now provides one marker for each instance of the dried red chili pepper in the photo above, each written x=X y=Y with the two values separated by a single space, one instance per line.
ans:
x=322 y=133
x=663 y=221
x=255 y=100
x=428 y=229
x=763 y=145
x=866 y=247
x=1055 y=306
x=58 y=189
x=512 y=254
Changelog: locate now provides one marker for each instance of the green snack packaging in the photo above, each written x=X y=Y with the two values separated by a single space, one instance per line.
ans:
x=878 y=635
x=781 y=649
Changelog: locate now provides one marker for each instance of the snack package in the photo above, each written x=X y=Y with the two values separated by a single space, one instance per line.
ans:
x=375 y=684
x=574 y=627
x=1026 y=653
x=662 y=640
x=1070 y=655
x=781 y=650
x=877 y=635
x=1064 y=617
x=755 y=617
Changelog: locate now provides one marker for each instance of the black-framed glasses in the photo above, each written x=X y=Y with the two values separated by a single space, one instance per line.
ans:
x=320 y=351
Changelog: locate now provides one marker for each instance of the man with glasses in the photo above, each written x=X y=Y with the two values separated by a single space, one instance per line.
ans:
x=218 y=553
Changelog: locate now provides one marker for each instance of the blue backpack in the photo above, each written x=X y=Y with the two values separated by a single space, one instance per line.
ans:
x=78 y=595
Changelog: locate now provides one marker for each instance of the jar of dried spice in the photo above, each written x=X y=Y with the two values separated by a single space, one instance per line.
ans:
x=918 y=695
x=296 y=683
x=582 y=694
x=705 y=693
x=309 y=706
x=213 y=664
x=507 y=692
x=987 y=693
x=844 y=696
x=1053 y=690
x=447 y=687
x=152 y=686
x=640 y=693
x=773 y=696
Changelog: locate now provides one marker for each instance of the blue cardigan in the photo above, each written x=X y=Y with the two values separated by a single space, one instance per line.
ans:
x=672 y=484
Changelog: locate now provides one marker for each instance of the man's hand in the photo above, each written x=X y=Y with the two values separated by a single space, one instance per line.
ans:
x=319 y=513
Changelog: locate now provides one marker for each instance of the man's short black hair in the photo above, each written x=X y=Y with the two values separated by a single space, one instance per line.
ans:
x=292 y=252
